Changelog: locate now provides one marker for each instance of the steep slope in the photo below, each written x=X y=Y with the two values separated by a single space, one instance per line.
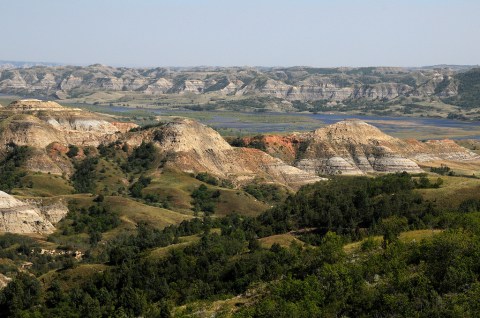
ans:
x=186 y=144
x=352 y=147
x=194 y=147
x=21 y=217
x=355 y=147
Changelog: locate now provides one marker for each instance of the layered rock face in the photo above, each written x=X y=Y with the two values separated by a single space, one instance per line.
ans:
x=46 y=125
x=70 y=121
x=186 y=144
x=21 y=217
x=436 y=150
x=353 y=147
x=349 y=147
x=292 y=84
x=194 y=147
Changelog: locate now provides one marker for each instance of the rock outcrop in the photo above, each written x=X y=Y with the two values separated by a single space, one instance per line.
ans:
x=4 y=280
x=349 y=147
x=47 y=127
x=194 y=147
x=353 y=147
x=293 y=84
x=39 y=123
x=22 y=217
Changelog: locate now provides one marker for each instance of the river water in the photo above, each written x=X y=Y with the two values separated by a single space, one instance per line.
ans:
x=251 y=123
x=271 y=122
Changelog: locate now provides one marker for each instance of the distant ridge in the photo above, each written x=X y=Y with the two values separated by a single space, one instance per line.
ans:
x=425 y=91
x=24 y=64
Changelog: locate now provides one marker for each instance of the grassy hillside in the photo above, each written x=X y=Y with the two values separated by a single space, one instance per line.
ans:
x=44 y=185
x=176 y=187
x=454 y=191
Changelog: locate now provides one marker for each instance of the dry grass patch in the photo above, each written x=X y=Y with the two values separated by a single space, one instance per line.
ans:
x=285 y=240
x=132 y=212
x=406 y=237
x=162 y=252
x=236 y=201
x=72 y=277
x=467 y=168
x=454 y=191
x=45 y=185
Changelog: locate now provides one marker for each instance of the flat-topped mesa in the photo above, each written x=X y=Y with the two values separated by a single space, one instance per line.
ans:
x=60 y=117
x=41 y=124
x=32 y=105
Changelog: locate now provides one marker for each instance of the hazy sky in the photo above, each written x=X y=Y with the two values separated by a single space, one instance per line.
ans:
x=263 y=32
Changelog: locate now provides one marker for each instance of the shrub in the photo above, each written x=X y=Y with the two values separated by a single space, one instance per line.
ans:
x=72 y=151
x=137 y=187
x=83 y=178
x=207 y=178
x=10 y=167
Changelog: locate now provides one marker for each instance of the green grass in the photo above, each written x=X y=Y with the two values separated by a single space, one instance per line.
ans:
x=406 y=237
x=110 y=178
x=132 y=212
x=162 y=252
x=184 y=241
x=72 y=277
x=454 y=191
x=236 y=201
x=177 y=187
x=285 y=240
x=44 y=185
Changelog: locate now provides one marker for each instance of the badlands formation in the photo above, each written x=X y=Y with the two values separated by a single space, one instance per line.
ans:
x=348 y=147
x=48 y=128
x=291 y=84
x=353 y=147
x=194 y=147
x=186 y=144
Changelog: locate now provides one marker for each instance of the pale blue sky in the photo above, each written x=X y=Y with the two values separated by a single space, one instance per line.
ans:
x=262 y=32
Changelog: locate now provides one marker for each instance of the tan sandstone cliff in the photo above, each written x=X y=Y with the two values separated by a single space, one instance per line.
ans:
x=23 y=217
x=48 y=127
